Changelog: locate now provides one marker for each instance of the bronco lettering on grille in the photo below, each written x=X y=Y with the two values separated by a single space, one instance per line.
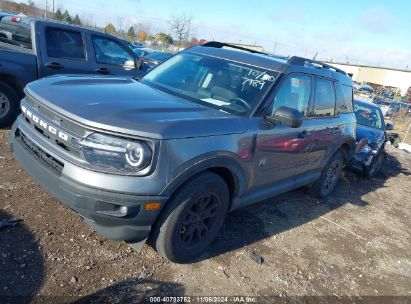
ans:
x=43 y=124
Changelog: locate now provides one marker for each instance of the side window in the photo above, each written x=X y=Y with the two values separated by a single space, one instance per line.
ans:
x=324 y=98
x=294 y=93
x=348 y=97
x=110 y=52
x=64 y=44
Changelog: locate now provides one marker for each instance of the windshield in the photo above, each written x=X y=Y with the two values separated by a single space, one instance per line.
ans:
x=219 y=83
x=368 y=116
x=159 y=56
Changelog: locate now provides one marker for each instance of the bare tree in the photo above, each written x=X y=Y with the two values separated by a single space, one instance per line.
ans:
x=181 y=26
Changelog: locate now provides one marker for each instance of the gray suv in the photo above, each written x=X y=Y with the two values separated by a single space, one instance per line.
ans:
x=208 y=131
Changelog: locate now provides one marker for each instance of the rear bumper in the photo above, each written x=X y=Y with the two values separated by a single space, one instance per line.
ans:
x=116 y=215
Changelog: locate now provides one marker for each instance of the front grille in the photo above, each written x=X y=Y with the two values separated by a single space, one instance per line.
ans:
x=45 y=157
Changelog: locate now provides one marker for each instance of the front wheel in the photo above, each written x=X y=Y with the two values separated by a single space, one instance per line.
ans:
x=9 y=105
x=375 y=165
x=330 y=175
x=192 y=218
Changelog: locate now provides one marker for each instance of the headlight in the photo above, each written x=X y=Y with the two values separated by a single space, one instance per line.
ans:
x=366 y=149
x=114 y=154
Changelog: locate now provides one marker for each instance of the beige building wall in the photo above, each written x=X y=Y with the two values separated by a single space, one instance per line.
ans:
x=385 y=77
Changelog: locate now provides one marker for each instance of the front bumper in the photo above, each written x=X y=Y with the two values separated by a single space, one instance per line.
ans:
x=116 y=215
x=361 y=160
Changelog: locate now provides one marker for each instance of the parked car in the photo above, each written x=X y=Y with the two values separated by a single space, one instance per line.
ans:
x=155 y=59
x=396 y=107
x=384 y=105
x=56 y=48
x=142 y=54
x=371 y=137
x=137 y=44
x=168 y=156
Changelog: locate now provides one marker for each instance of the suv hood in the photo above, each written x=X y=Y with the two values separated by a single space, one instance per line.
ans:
x=125 y=106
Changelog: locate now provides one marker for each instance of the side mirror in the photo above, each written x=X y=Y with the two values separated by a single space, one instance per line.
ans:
x=286 y=116
x=389 y=127
x=129 y=64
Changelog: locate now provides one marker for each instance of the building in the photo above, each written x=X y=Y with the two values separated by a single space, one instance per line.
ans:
x=378 y=76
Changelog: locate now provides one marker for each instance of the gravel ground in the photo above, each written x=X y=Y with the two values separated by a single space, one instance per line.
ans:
x=355 y=243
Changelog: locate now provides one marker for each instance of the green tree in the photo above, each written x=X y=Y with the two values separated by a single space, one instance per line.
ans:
x=164 y=38
x=77 y=20
x=131 y=32
x=109 y=28
x=58 y=15
x=66 y=17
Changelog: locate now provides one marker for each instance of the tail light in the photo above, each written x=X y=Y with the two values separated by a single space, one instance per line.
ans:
x=15 y=19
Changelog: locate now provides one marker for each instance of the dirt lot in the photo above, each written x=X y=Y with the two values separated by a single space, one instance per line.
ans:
x=356 y=243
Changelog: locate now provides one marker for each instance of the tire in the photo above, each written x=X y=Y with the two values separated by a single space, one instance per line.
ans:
x=183 y=231
x=9 y=105
x=330 y=175
x=375 y=165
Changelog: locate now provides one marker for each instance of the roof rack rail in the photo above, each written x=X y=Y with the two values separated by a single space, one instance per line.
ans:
x=220 y=45
x=301 y=61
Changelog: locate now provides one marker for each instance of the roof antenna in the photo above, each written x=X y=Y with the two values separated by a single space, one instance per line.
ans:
x=315 y=56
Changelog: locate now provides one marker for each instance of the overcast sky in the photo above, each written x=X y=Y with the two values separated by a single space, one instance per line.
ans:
x=362 y=32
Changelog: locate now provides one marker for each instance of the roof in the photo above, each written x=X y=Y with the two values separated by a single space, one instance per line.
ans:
x=256 y=59
x=368 y=66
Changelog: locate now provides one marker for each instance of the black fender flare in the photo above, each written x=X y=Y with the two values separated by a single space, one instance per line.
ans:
x=209 y=161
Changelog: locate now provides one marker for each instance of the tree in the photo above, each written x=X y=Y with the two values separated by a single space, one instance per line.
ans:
x=181 y=26
x=77 y=20
x=142 y=36
x=131 y=32
x=164 y=38
x=194 y=41
x=66 y=17
x=58 y=15
x=110 y=29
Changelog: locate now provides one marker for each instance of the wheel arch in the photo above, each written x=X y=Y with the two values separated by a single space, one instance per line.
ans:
x=226 y=167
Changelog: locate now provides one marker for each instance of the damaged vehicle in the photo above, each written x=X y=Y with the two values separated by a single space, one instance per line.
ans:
x=371 y=137
x=212 y=129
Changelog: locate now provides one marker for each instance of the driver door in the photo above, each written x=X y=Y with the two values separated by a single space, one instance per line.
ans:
x=112 y=58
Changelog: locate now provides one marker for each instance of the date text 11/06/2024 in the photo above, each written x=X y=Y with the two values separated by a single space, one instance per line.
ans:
x=203 y=299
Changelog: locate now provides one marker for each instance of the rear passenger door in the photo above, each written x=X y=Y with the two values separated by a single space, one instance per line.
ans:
x=63 y=50
x=328 y=128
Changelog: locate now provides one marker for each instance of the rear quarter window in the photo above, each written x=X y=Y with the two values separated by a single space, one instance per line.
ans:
x=344 y=98
x=324 y=98
x=15 y=32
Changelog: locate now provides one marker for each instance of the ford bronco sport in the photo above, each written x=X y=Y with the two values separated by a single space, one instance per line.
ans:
x=165 y=158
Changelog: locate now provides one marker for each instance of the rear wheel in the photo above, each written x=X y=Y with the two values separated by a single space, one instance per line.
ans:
x=9 y=101
x=330 y=175
x=192 y=218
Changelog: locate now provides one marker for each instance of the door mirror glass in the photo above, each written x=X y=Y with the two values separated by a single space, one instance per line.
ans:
x=129 y=64
x=286 y=116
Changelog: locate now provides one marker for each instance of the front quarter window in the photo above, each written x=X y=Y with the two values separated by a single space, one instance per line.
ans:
x=215 y=82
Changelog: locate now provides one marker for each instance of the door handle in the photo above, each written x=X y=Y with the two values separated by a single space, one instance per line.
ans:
x=54 y=65
x=103 y=70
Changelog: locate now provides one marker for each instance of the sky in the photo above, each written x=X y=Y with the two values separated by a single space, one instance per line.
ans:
x=360 y=32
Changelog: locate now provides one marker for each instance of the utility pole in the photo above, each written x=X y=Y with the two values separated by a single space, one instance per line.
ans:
x=275 y=46
x=53 y=7
x=45 y=11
